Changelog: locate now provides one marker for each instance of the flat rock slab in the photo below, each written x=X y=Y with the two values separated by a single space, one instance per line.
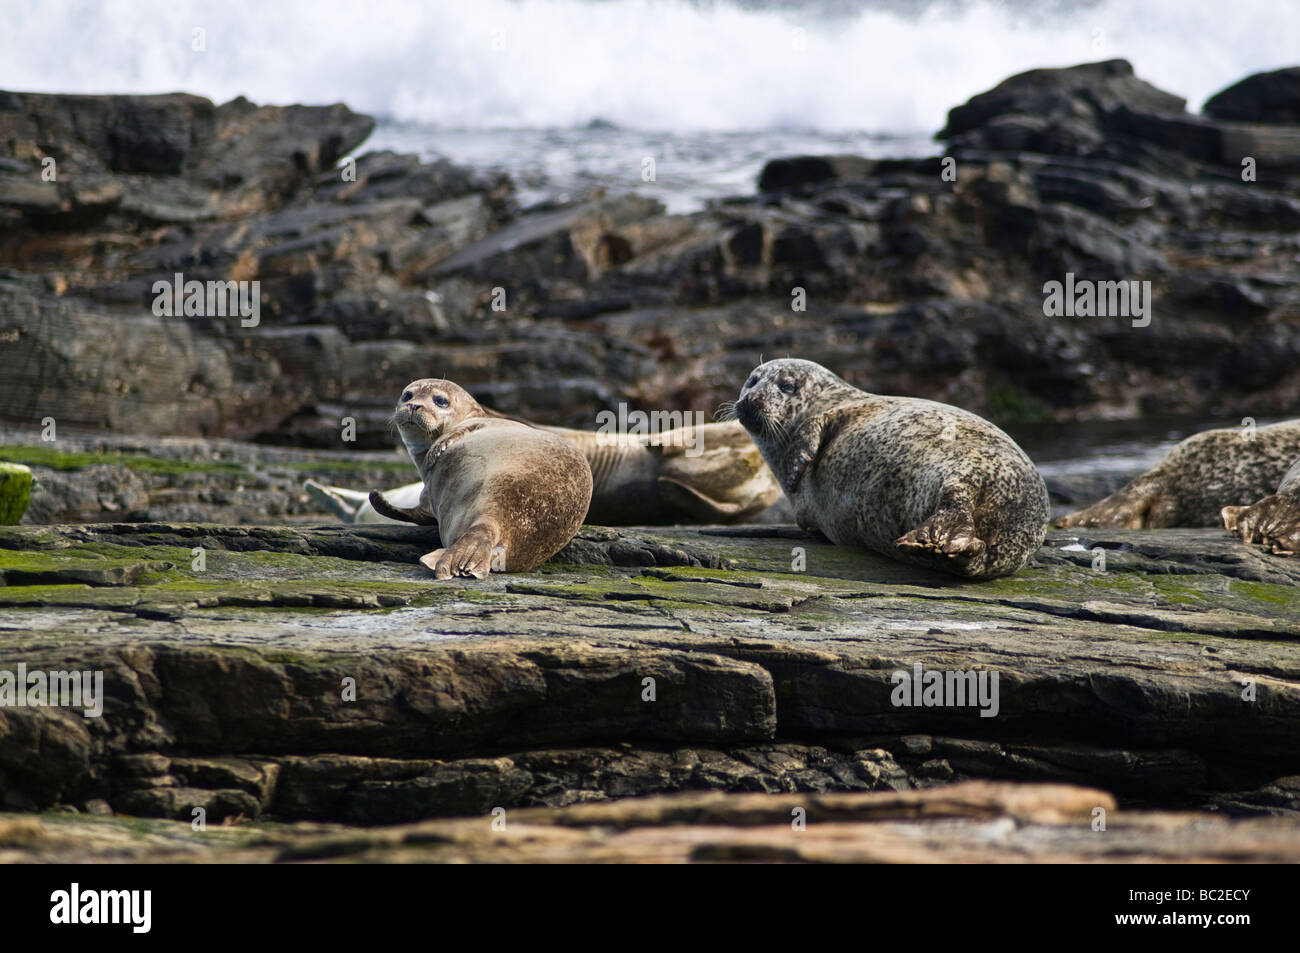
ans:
x=321 y=673
x=974 y=822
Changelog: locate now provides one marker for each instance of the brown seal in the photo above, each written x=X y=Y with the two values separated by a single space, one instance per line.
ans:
x=918 y=481
x=1211 y=470
x=707 y=474
x=504 y=495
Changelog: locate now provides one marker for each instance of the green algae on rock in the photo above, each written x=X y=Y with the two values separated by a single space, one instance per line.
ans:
x=15 y=492
x=225 y=678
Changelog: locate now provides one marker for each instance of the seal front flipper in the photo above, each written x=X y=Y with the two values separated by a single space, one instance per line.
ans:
x=475 y=554
x=1136 y=506
x=415 y=514
x=806 y=445
x=950 y=535
x=446 y=443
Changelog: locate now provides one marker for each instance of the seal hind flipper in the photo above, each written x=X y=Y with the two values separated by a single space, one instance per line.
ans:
x=414 y=514
x=697 y=504
x=342 y=503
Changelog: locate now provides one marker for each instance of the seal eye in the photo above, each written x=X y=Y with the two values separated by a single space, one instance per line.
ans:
x=753 y=381
x=406 y=395
x=787 y=386
x=442 y=401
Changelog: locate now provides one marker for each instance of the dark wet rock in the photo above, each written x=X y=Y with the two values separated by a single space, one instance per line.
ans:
x=1083 y=92
x=798 y=172
x=919 y=276
x=245 y=152
x=1263 y=97
x=319 y=673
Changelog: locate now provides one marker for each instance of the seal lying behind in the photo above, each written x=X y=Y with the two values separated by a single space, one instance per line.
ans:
x=707 y=474
x=1208 y=471
x=919 y=481
x=504 y=495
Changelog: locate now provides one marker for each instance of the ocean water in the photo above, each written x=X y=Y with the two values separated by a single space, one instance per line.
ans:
x=691 y=167
x=709 y=89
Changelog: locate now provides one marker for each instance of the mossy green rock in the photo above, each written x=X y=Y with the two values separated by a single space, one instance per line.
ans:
x=318 y=673
x=15 y=492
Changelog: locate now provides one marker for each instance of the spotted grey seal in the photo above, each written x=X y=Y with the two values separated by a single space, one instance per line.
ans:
x=1191 y=486
x=504 y=495
x=916 y=480
x=707 y=474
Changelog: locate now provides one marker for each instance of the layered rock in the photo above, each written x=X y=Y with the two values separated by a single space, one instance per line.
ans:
x=968 y=823
x=919 y=276
x=319 y=674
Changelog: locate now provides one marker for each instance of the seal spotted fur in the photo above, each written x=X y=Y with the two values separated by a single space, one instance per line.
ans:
x=1191 y=486
x=916 y=480
x=504 y=495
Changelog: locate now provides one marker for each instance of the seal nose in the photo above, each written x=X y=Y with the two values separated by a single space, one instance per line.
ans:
x=747 y=410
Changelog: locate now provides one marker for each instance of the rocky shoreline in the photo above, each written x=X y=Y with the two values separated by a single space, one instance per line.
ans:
x=224 y=686
x=317 y=696
x=917 y=281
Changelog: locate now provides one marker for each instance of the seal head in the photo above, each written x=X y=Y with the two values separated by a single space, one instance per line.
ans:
x=776 y=400
x=428 y=410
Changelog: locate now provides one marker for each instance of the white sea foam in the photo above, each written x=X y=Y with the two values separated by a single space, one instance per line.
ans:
x=650 y=64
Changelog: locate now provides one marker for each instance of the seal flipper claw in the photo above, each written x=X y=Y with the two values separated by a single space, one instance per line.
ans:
x=471 y=555
x=950 y=535
x=1273 y=522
